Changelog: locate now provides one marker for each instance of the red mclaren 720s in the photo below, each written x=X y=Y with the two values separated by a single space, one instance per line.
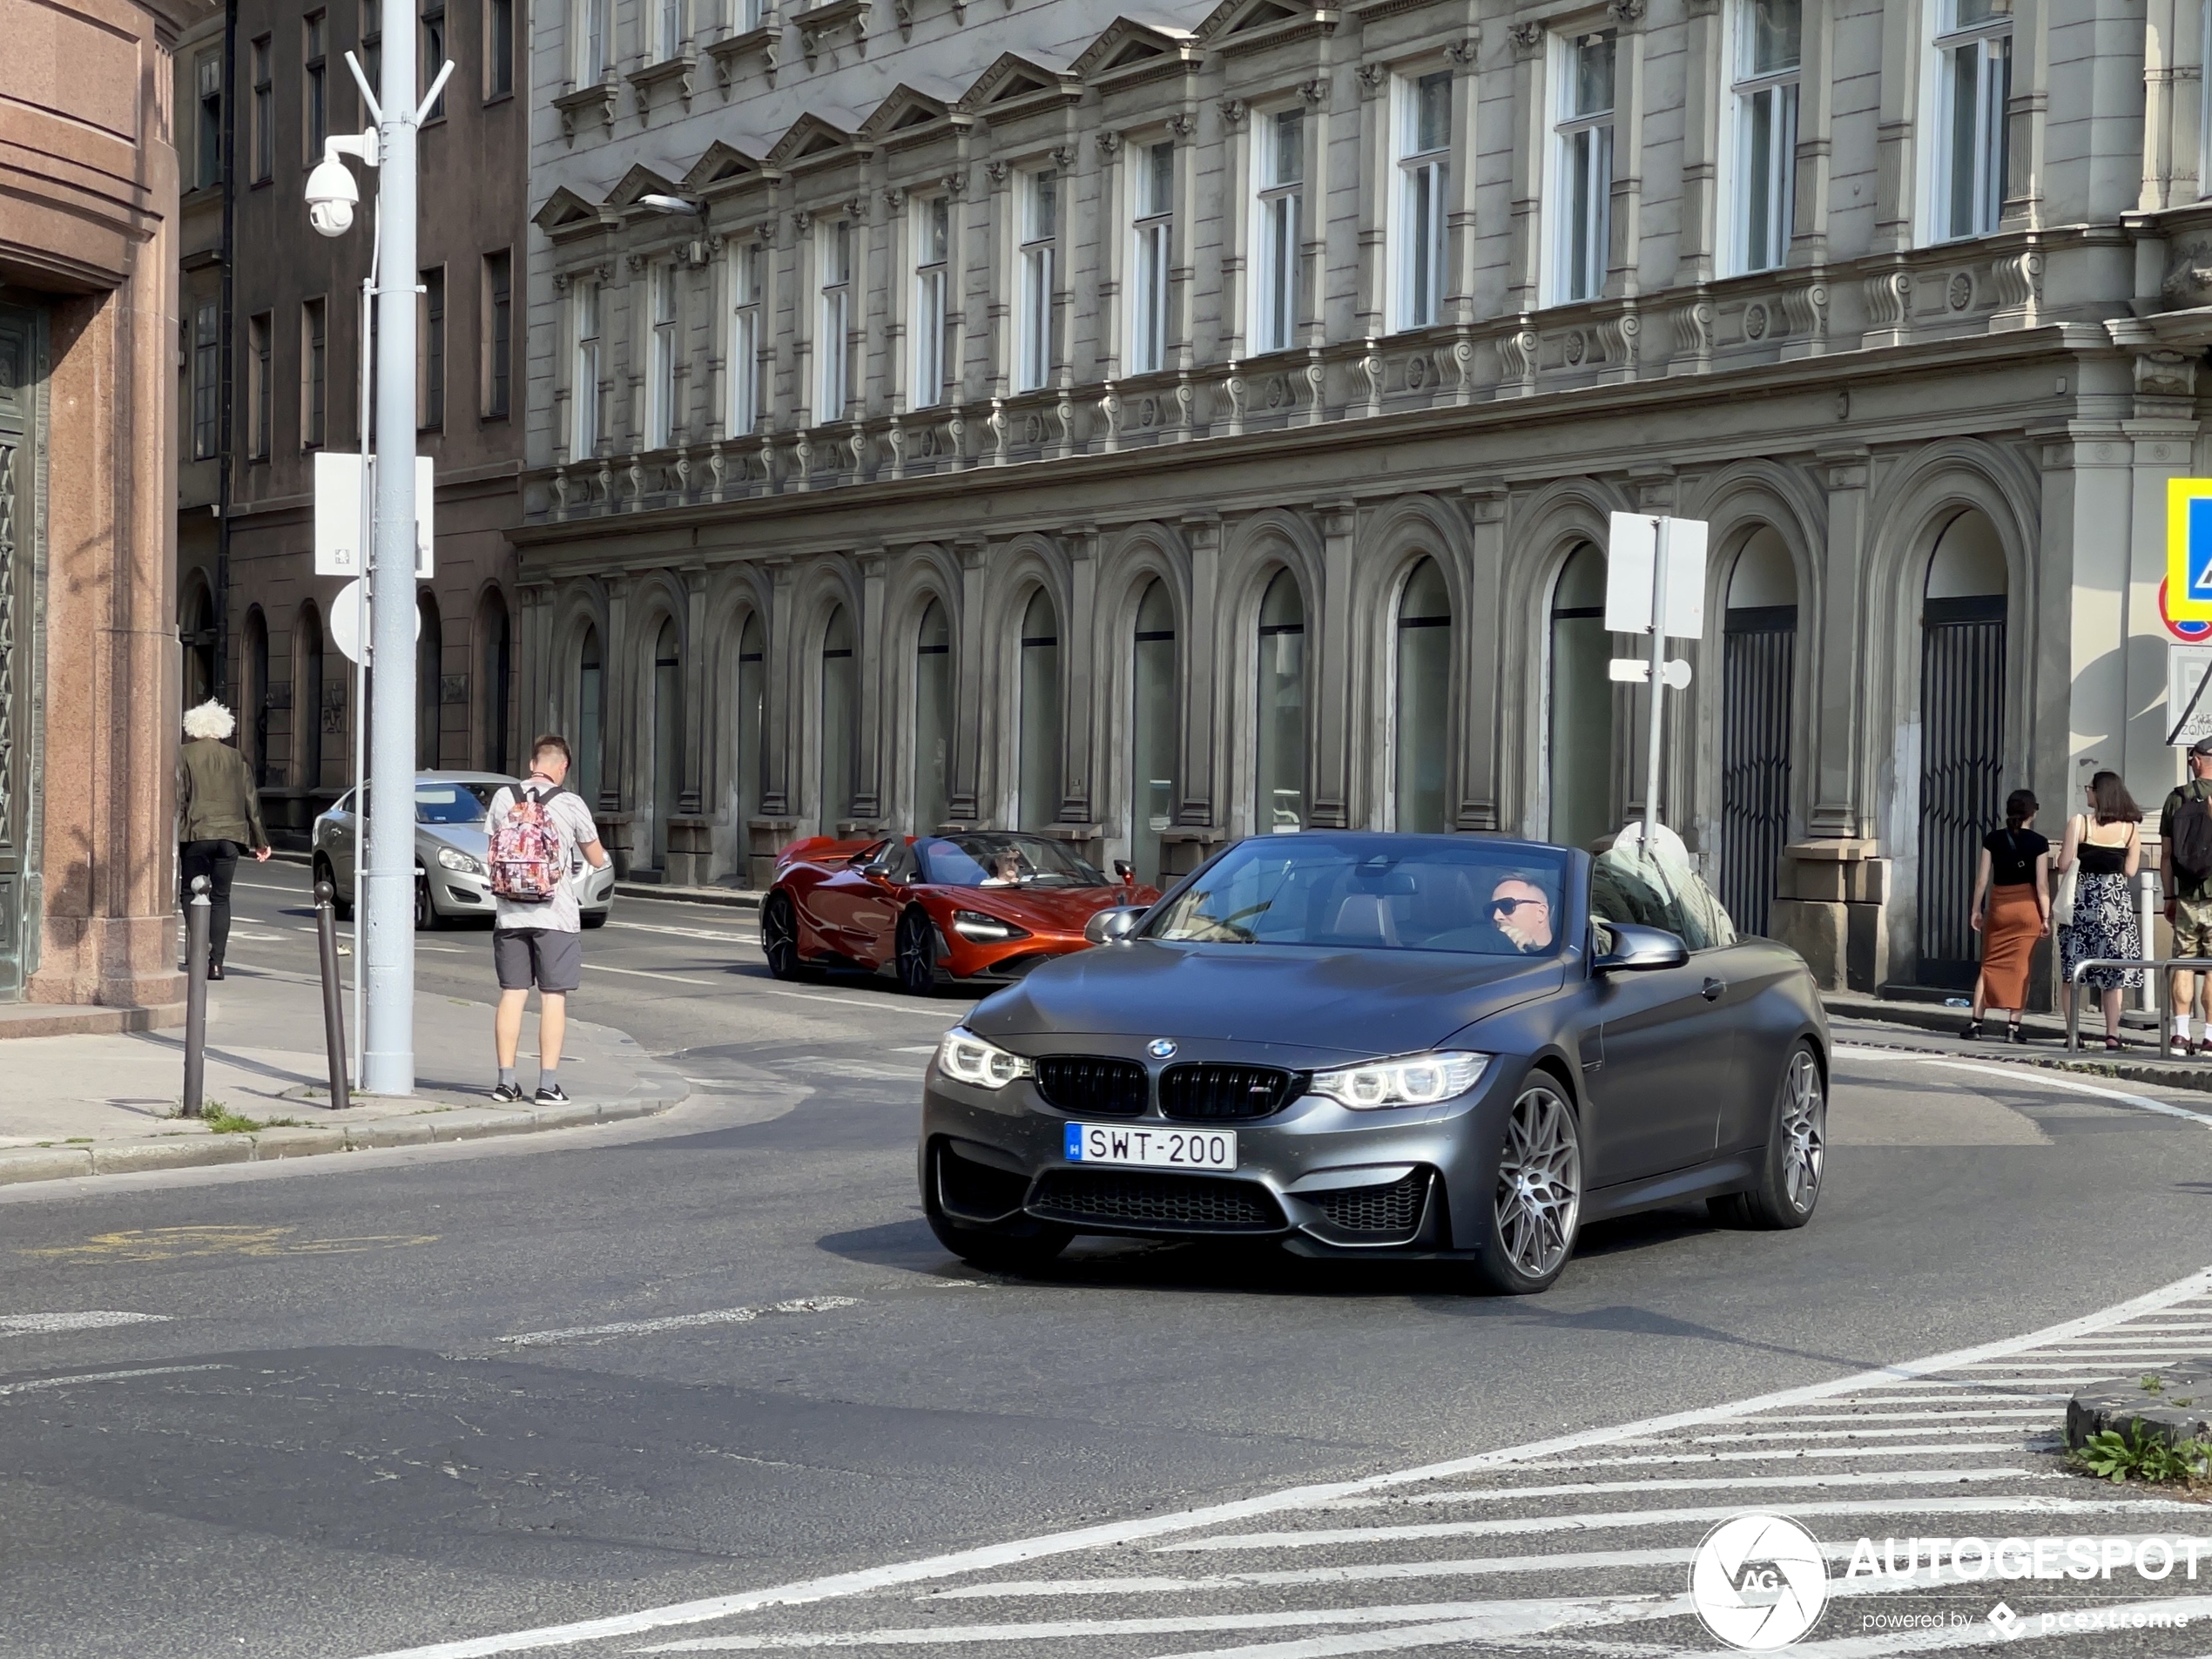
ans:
x=985 y=905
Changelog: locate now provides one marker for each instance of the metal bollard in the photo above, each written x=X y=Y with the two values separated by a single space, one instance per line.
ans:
x=197 y=913
x=333 y=1012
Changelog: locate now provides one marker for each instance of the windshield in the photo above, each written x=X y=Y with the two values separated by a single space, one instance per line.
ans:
x=445 y=802
x=1662 y=893
x=1375 y=893
x=996 y=859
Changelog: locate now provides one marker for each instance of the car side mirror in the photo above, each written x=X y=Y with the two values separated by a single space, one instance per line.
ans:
x=1113 y=926
x=1125 y=872
x=1637 y=948
x=880 y=868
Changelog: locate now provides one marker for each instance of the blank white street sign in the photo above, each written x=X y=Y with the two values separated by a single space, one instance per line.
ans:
x=1629 y=564
x=346 y=621
x=338 y=516
x=1633 y=670
x=2187 y=669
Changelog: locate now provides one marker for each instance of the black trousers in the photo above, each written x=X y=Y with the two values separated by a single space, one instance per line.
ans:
x=218 y=862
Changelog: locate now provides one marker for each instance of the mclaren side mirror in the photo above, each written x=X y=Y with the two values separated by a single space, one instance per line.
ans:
x=879 y=868
x=1125 y=872
x=1112 y=926
x=1637 y=948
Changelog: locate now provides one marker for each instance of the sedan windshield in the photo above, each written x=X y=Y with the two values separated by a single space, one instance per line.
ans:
x=447 y=802
x=996 y=859
x=1374 y=893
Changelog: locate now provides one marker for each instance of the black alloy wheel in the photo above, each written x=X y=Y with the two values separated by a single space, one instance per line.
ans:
x=917 y=953
x=780 y=935
x=1537 y=1208
x=1797 y=1153
x=341 y=898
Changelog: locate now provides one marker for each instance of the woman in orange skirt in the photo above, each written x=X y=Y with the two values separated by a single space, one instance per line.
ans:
x=2012 y=910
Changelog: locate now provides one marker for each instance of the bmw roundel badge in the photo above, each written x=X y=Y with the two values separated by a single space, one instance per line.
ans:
x=1161 y=1047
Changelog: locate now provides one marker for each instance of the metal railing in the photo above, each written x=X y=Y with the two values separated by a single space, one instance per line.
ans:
x=2160 y=967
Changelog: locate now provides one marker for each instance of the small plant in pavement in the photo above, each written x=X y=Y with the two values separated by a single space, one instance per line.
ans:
x=2151 y=1383
x=221 y=1120
x=2135 y=1452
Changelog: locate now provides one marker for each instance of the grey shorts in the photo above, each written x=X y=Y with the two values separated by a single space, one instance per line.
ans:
x=527 y=956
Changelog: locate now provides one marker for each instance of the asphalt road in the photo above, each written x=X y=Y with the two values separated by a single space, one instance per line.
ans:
x=403 y=1399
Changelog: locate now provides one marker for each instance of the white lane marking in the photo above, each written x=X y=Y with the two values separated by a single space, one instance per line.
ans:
x=1776 y=1454
x=2020 y=1074
x=1606 y=1520
x=1982 y=1634
x=983 y=1557
x=917 y=1048
x=1715 y=1483
x=686 y=933
x=1836 y=1433
x=1902 y=1417
x=646 y=973
x=104 y=1376
x=306 y=890
x=43 y=1324
x=679 y=1321
x=885 y=1006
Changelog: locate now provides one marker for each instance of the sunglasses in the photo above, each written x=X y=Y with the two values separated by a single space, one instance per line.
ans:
x=1506 y=906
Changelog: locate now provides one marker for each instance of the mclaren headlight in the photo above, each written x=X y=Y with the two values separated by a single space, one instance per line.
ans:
x=985 y=930
x=965 y=1056
x=1410 y=1079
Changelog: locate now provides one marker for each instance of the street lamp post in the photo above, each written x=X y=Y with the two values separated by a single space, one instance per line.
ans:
x=386 y=932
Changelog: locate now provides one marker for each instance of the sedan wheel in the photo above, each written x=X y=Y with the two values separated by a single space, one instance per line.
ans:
x=917 y=954
x=1539 y=1200
x=1797 y=1153
x=780 y=935
x=426 y=914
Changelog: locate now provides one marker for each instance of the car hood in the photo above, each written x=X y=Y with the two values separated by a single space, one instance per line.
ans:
x=1061 y=909
x=466 y=837
x=1337 y=1005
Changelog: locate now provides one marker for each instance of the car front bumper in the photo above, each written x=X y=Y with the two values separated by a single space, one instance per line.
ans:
x=1323 y=1177
x=466 y=892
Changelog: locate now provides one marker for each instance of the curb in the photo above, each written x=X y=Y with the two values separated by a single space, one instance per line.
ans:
x=19 y=1164
x=2196 y=1079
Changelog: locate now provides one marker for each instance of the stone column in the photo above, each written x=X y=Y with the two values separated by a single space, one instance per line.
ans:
x=1330 y=792
x=1477 y=628
x=1531 y=115
x=1202 y=765
x=690 y=830
x=2162 y=437
x=967 y=782
x=766 y=835
x=1624 y=279
x=1084 y=719
x=1705 y=78
x=1815 y=105
x=875 y=695
x=617 y=808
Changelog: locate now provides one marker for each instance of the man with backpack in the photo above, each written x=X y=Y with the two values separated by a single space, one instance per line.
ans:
x=2185 y=871
x=540 y=835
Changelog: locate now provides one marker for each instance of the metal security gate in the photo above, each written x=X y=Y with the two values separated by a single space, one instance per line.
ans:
x=1962 y=701
x=21 y=382
x=1759 y=651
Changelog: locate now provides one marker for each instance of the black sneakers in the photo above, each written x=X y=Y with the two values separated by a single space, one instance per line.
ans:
x=1970 y=1030
x=506 y=1092
x=552 y=1095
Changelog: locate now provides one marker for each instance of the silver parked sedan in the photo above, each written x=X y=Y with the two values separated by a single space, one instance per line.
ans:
x=450 y=845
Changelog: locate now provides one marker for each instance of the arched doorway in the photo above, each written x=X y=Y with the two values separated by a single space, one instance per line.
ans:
x=590 y=719
x=495 y=682
x=668 y=735
x=429 y=659
x=1279 y=802
x=307 y=697
x=749 y=763
x=1758 y=663
x=1580 y=738
x=1151 y=767
x=840 y=720
x=1962 y=735
x=1424 y=700
x=1037 y=778
x=253 y=717
x=933 y=727
x=197 y=630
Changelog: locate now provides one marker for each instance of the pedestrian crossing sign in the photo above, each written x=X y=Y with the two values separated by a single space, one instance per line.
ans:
x=2188 y=549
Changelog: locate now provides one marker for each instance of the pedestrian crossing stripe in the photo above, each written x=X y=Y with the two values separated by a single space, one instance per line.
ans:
x=2188 y=549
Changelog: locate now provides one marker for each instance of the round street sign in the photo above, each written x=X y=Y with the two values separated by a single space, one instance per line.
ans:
x=2189 y=633
x=346 y=621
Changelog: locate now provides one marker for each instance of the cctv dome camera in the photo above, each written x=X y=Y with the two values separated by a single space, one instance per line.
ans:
x=331 y=218
x=331 y=196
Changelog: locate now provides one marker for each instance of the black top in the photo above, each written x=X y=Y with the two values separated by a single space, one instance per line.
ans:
x=2011 y=856
x=2102 y=861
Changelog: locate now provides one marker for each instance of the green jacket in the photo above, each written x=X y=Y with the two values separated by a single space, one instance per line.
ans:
x=216 y=800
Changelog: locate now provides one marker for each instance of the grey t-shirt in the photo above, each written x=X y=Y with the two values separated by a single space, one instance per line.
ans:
x=572 y=822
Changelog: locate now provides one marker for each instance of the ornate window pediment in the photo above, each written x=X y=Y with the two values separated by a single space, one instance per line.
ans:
x=1244 y=26
x=567 y=216
x=1017 y=85
x=905 y=113
x=811 y=142
x=1131 y=52
x=639 y=181
x=722 y=167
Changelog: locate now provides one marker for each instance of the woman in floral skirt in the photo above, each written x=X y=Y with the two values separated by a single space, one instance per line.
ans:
x=2107 y=843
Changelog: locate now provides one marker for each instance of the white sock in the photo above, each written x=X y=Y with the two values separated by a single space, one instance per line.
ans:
x=2181 y=1027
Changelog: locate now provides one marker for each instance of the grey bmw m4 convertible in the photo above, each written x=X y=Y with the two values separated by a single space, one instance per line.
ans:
x=1447 y=1047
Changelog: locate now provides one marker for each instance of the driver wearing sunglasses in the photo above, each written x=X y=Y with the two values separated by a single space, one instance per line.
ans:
x=1521 y=912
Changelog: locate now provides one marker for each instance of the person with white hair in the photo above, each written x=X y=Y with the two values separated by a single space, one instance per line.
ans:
x=219 y=815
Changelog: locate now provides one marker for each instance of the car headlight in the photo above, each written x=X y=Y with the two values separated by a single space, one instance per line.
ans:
x=1417 y=1080
x=454 y=859
x=966 y=1056
x=989 y=930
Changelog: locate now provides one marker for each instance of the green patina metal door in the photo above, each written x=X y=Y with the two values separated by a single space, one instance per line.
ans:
x=22 y=411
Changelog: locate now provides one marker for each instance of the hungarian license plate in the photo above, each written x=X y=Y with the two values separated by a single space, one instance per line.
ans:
x=1161 y=1148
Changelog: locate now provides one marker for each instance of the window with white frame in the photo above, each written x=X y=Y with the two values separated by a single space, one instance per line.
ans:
x=1973 y=46
x=1768 y=45
x=1040 y=220
x=591 y=66
x=1583 y=149
x=744 y=15
x=744 y=338
x=668 y=29
x=1151 y=246
x=835 y=251
x=1424 y=148
x=661 y=392
x=584 y=389
x=1281 y=175
x=933 y=234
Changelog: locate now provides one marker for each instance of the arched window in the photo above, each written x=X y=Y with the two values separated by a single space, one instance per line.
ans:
x=1152 y=746
x=590 y=719
x=1424 y=699
x=307 y=697
x=840 y=720
x=253 y=714
x=429 y=659
x=750 y=763
x=1580 y=736
x=1039 y=775
x=1758 y=663
x=932 y=733
x=668 y=735
x=1962 y=735
x=1280 y=808
x=196 y=628
x=496 y=678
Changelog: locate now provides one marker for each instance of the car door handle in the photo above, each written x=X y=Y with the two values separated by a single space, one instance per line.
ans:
x=1713 y=989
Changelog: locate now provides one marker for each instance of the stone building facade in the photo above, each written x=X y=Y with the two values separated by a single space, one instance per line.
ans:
x=254 y=619
x=1154 y=432
x=88 y=654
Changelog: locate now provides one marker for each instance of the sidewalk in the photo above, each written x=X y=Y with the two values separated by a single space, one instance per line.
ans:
x=1933 y=1028
x=85 y=1104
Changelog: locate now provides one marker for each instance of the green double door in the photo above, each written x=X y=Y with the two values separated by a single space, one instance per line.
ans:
x=22 y=411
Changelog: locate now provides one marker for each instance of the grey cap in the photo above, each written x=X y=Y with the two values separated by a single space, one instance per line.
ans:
x=2202 y=746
